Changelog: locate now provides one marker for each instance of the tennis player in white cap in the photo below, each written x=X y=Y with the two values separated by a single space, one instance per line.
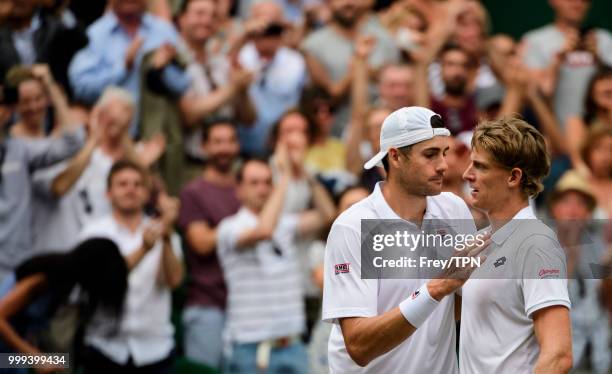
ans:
x=395 y=325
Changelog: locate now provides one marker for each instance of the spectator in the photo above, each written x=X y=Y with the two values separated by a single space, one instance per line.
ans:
x=468 y=30
x=331 y=71
x=365 y=122
x=457 y=106
x=35 y=89
x=564 y=56
x=18 y=160
x=216 y=87
x=326 y=155
x=258 y=254
x=279 y=75
x=597 y=155
x=227 y=28
x=144 y=342
x=571 y=204
x=27 y=38
x=305 y=192
x=41 y=285
x=117 y=43
x=598 y=112
x=396 y=86
x=204 y=203
x=407 y=26
x=69 y=195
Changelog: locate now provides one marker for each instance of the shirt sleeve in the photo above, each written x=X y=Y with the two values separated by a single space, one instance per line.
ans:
x=46 y=152
x=42 y=180
x=227 y=236
x=604 y=46
x=345 y=294
x=91 y=71
x=544 y=280
x=286 y=228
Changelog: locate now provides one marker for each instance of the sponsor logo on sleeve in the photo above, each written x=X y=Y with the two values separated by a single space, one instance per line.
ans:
x=415 y=294
x=549 y=273
x=342 y=268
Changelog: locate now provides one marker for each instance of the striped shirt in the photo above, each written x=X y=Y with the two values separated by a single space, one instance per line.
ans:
x=265 y=299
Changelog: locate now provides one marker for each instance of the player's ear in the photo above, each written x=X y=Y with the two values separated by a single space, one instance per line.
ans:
x=516 y=175
x=393 y=155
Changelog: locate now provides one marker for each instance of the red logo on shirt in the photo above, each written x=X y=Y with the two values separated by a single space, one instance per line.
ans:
x=342 y=268
x=549 y=273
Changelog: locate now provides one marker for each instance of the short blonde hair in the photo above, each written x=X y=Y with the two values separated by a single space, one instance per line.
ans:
x=513 y=143
x=116 y=93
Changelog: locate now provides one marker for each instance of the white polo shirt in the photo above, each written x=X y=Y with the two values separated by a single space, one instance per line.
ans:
x=431 y=349
x=497 y=334
x=145 y=331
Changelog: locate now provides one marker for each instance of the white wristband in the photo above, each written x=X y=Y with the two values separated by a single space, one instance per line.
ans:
x=418 y=306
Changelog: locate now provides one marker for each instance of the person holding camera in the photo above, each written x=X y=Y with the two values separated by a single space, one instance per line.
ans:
x=564 y=55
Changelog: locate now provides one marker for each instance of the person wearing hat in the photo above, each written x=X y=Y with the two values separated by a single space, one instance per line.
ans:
x=571 y=204
x=389 y=325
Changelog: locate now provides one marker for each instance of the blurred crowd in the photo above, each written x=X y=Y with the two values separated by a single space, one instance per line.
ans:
x=215 y=141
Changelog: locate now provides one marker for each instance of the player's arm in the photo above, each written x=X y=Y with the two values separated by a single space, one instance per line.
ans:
x=552 y=330
x=367 y=338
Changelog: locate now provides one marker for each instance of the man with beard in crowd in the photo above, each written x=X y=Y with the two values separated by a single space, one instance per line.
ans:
x=331 y=71
x=457 y=106
x=204 y=203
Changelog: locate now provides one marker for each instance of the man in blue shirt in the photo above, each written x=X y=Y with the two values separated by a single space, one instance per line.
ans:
x=117 y=43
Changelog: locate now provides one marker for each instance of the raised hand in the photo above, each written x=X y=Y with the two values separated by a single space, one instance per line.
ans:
x=169 y=209
x=149 y=151
x=163 y=56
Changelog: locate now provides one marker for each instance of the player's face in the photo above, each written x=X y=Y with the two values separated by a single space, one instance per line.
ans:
x=488 y=182
x=422 y=172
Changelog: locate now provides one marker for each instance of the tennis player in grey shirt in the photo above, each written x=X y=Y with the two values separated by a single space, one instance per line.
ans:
x=515 y=308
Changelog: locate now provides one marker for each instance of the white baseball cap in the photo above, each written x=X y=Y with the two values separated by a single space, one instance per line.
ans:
x=404 y=127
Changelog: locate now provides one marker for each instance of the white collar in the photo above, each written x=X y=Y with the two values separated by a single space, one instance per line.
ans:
x=506 y=230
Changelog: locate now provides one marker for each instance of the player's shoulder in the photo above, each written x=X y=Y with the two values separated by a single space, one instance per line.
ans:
x=352 y=216
x=536 y=237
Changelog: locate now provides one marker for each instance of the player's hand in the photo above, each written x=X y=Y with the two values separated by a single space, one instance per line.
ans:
x=454 y=277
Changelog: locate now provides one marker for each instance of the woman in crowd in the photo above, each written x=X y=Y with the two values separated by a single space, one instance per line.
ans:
x=598 y=111
x=43 y=285
x=34 y=90
x=597 y=155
